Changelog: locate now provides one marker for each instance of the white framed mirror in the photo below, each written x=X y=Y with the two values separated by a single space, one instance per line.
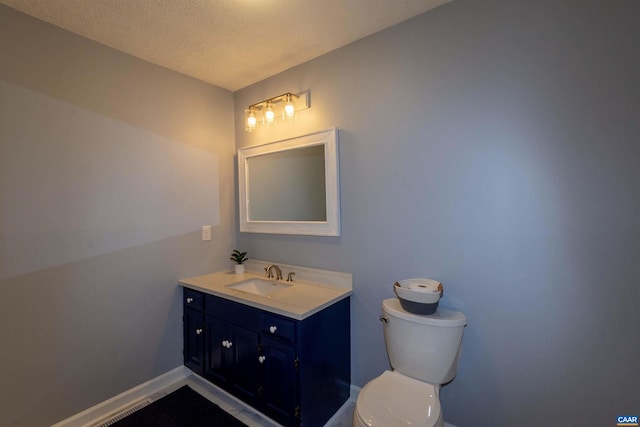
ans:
x=291 y=186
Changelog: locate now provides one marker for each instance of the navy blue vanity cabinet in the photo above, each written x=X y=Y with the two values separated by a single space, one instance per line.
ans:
x=297 y=372
x=193 y=331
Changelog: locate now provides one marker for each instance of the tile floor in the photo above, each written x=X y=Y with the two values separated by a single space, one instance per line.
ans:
x=243 y=412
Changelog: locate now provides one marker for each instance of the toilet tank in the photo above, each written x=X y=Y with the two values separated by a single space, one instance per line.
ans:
x=425 y=347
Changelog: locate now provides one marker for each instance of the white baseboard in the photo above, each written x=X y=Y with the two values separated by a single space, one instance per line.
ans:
x=119 y=402
x=354 y=390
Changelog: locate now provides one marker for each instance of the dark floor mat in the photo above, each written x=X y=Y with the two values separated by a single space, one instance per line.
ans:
x=182 y=408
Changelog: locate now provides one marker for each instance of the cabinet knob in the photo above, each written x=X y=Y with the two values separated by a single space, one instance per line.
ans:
x=189 y=300
x=198 y=331
x=229 y=344
x=261 y=359
x=226 y=344
x=273 y=329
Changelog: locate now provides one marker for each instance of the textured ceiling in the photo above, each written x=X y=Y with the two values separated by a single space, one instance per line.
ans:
x=228 y=43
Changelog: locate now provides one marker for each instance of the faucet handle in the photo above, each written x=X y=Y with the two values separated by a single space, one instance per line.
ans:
x=290 y=276
x=268 y=271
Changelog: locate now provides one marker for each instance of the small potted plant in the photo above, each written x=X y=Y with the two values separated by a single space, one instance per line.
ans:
x=239 y=258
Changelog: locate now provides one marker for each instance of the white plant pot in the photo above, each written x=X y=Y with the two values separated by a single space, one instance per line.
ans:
x=239 y=268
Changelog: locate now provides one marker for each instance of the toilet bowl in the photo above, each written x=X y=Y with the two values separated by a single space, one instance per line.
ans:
x=423 y=352
x=394 y=399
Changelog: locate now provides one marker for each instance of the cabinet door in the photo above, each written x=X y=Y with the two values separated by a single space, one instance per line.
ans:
x=193 y=335
x=246 y=367
x=280 y=382
x=232 y=361
x=219 y=354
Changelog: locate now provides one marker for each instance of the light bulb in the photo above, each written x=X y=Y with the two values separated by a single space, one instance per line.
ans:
x=269 y=115
x=289 y=109
x=251 y=121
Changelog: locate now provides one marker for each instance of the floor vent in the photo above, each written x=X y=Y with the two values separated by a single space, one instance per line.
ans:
x=123 y=414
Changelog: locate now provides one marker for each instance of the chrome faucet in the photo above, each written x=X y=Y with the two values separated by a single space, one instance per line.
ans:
x=269 y=271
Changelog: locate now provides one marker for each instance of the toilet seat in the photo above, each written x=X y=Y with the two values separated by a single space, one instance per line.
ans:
x=394 y=399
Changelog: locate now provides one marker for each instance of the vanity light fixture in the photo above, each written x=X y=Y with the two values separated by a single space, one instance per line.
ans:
x=269 y=111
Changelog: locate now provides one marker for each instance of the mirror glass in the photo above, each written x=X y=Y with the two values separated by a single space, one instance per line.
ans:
x=287 y=185
x=291 y=186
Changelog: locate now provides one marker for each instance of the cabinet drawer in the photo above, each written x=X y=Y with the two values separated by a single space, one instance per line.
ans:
x=193 y=299
x=233 y=312
x=278 y=327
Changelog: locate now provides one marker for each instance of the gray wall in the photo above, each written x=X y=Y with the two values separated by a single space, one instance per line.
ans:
x=493 y=146
x=108 y=168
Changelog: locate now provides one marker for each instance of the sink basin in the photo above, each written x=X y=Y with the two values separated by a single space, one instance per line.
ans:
x=260 y=287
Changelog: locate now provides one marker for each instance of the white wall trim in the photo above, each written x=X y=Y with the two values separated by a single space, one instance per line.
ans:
x=355 y=390
x=119 y=402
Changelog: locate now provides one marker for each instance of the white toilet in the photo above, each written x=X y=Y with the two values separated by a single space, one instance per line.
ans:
x=423 y=352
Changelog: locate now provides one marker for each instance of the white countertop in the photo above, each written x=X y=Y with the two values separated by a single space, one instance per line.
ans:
x=298 y=301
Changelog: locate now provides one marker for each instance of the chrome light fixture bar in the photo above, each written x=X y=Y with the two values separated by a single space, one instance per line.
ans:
x=269 y=111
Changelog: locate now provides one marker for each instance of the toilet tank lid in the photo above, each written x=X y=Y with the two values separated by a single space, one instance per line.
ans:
x=442 y=317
